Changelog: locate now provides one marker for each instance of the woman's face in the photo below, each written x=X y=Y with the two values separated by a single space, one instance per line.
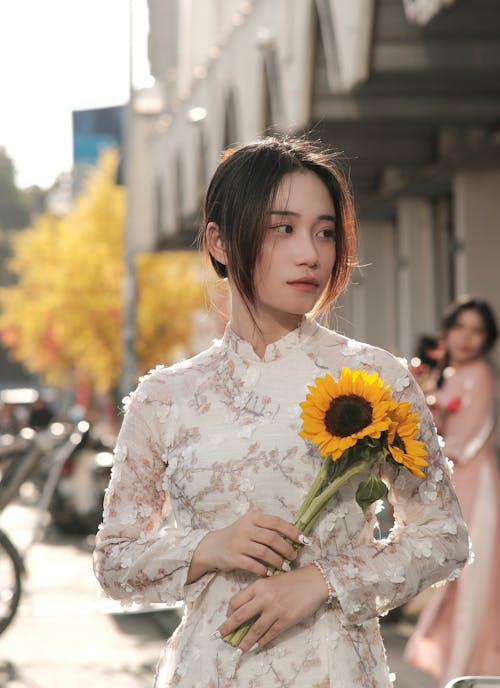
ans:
x=298 y=251
x=466 y=338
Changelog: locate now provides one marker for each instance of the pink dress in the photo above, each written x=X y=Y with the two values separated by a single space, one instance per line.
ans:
x=458 y=633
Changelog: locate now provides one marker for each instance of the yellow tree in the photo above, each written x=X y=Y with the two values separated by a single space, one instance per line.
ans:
x=63 y=316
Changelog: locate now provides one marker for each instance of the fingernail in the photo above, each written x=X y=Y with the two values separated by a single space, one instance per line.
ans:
x=269 y=572
x=215 y=636
x=285 y=566
x=304 y=539
x=239 y=651
x=255 y=646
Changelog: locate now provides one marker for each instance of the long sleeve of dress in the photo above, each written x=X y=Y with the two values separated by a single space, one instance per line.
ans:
x=137 y=558
x=428 y=542
x=468 y=429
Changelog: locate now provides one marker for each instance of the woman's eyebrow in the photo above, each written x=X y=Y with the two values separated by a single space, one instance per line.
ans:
x=327 y=217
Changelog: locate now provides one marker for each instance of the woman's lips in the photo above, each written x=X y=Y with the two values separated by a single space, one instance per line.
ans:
x=304 y=285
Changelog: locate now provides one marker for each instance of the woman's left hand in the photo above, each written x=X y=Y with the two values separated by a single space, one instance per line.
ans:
x=278 y=602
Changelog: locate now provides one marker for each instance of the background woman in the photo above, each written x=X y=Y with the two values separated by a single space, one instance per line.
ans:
x=458 y=632
x=214 y=441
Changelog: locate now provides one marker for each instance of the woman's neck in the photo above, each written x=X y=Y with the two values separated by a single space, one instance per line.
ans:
x=261 y=329
x=456 y=364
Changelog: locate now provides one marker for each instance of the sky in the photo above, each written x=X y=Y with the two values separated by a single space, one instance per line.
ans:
x=57 y=56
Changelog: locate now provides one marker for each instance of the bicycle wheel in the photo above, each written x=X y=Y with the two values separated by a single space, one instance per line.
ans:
x=11 y=570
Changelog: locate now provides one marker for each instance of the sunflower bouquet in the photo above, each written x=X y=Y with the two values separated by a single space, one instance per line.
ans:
x=357 y=425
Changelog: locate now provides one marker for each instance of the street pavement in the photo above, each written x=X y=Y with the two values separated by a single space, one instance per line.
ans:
x=67 y=634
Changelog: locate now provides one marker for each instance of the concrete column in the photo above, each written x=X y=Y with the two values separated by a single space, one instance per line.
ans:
x=476 y=210
x=367 y=311
x=377 y=259
x=415 y=273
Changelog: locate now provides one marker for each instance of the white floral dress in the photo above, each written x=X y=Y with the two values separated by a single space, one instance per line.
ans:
x=210 y=438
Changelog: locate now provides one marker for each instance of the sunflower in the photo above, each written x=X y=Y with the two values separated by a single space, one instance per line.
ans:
x=403 y=446
x=337 y=414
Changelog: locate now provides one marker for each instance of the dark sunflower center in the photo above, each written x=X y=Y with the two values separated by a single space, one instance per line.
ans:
x=399 y=444
x=348 y=414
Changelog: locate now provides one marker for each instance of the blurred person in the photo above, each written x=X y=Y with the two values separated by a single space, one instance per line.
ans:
x=214 y=442
x=425 y=364
x=458 y=631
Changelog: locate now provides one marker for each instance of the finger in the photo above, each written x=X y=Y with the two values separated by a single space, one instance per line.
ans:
x=241 y=598
x=277 y=543
x=247 y=563
x=279 y=525
x=272 y=632
x=265 y=554
x=260 y=628
x=244 y=613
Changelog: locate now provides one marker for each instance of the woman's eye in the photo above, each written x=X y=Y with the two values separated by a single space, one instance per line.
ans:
x=283 y=229
x=327 y=234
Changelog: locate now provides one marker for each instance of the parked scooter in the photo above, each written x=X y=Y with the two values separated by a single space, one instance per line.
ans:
x=76 y=505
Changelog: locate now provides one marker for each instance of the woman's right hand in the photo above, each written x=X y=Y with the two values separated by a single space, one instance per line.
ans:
x=252 y=543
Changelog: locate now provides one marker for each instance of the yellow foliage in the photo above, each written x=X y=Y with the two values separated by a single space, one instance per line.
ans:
x=63 y=318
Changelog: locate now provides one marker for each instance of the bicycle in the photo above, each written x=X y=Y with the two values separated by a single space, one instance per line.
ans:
x=474 y=682
x=21 y=458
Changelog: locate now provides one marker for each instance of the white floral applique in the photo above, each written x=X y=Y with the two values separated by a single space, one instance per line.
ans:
x=423 y=548
x=367 y=356
x=329 y=522
x=352 y=348
x=351 y=571
x=217 y=439
x=251 y=377
x=449 y=526
x=428 y=492
x=246 y=432
x=401 y=383
x=438 y=475
x=370 y=576
x=395 y=573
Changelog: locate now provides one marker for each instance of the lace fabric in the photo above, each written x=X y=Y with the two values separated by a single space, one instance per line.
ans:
x=208 y=439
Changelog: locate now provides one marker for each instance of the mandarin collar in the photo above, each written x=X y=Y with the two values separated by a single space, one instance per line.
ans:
x=275 y=350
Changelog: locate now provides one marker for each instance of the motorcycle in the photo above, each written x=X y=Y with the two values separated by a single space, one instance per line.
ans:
x=77 y=501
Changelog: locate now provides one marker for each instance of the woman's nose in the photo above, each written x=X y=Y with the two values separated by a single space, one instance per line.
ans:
x=307 y=251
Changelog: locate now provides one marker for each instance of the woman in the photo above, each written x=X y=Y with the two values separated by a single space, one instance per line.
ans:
x=457 y=633
x=215 y=442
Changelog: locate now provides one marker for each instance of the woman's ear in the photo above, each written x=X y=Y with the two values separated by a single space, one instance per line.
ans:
x=215 y=243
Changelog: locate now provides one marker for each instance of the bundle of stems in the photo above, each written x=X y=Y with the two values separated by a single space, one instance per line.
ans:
x=331 y=476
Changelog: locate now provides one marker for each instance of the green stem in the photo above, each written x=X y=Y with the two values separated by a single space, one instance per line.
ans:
x=235 y=637
x=308 y=517
x=320 y=478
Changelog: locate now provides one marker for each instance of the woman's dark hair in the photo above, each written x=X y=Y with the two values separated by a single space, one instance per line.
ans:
x=467 y=303
x=425 y=344
x=241 y=194
x=450 y=318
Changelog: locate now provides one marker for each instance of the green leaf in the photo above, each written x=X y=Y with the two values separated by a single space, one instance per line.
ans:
x=369 y=491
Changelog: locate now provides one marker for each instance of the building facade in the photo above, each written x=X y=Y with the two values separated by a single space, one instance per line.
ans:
x=407 y=90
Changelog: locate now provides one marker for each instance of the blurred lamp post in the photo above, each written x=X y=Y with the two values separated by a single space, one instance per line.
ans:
x=143 y=109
